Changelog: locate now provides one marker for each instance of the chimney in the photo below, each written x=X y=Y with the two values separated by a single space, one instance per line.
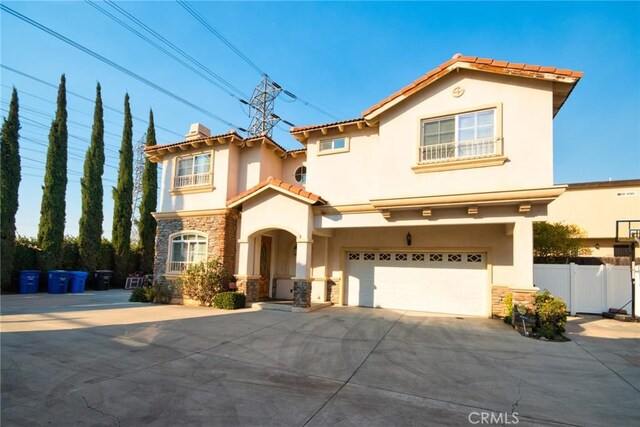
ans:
x=197 y=130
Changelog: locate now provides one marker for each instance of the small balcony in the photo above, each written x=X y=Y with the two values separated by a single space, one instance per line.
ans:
x=451 y=151
x=178 y=266
x=195 y=180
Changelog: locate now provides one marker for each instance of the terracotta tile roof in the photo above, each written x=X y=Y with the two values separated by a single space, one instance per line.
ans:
x=313 y=127
x=297 y=150
x=256 y=138
x=176 y=144
x=314 y=198
x=481 y=64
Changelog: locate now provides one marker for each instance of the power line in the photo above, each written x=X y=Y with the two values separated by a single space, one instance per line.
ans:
x=106 y=107
x=42 y=125
x=230 y=88
x=113 y=64
x=217 y=33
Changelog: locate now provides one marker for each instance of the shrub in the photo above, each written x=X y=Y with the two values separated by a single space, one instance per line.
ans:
x=551 y=315
x=139 y=295
x=162 y=291
x=203 y=281
x=70 y=257
x=508 y=302
x=106 y=260
x=229 y=300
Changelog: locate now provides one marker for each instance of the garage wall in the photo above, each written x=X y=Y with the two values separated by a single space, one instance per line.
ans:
x=491 y=237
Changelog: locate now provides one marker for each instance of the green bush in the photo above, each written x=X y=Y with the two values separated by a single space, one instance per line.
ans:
x=203 y=281
x=139 y=295
x=229 y=300
x=106 y=260
x=551 y=315
x=70 y=257
x=162 y=291
x=508 y=302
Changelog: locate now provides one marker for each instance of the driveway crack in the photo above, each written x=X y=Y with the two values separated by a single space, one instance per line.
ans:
x=99 y=411
x=520 y=396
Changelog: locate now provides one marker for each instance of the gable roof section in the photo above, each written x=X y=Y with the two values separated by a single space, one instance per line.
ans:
x=568 y=77
x=281 y=187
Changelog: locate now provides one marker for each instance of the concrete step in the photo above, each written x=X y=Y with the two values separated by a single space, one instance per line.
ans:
x=288 y=306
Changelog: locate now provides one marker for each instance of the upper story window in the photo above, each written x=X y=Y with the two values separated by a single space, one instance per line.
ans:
x=187 y=249
x=335 y=145
x=193 y=171
x=459 y=136
x=301 y=174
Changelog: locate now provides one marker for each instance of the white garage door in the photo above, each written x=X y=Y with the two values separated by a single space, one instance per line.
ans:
x=440 y=282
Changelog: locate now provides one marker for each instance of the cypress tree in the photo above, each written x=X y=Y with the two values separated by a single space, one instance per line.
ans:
x=9 y=183
x=123 y=199
x=90 y=230
x=147 y=224
x=52 y=210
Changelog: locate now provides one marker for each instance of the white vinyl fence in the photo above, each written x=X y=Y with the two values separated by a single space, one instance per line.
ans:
x=588 y=288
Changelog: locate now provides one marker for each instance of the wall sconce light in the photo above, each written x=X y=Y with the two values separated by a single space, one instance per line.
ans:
x=597 y=245
x=408 y=239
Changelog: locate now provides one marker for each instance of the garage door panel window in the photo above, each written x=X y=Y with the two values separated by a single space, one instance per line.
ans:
x=443 y=282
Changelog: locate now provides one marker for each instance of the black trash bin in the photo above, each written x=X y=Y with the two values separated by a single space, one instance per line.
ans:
x=101 y=280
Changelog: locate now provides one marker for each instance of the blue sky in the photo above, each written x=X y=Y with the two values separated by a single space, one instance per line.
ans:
x=343 y=57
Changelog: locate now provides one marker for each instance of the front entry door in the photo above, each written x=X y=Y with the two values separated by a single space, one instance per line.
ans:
x=265 y=267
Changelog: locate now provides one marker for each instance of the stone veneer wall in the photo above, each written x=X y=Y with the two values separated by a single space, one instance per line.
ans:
x=221 y=232
x=498 y=294
x=525 y=297
x=333 y=292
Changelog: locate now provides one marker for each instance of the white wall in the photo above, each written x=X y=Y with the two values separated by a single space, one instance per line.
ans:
x=289 y=167
x=215 y=199
x=346 y=177
x=490 y=238
x=379 y=166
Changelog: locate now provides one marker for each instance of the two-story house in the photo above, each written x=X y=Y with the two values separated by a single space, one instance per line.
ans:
x=426 y=202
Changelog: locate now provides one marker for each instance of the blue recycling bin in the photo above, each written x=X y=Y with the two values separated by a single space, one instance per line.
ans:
x=58 y=281
x=77 y=282
x=29 y=280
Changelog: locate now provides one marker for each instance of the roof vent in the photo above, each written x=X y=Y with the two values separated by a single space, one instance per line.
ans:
x=197 y=130
x=456 y=56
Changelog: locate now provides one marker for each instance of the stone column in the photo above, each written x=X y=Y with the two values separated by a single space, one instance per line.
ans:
x=523 y=253
x=302 y=281
x=248 y=285
x=301 y=295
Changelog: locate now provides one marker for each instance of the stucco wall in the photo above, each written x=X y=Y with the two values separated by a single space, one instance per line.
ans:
x=290 y=165
x=596 y=209
x=270 y=163
x=215 y=199
x=274 y=210
x=490 y=238
x=379 y=166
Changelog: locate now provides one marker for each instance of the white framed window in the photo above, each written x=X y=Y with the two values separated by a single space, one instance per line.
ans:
x=186 y=249
x=300 y=175
x=466 y=135
x=335 y=145
x=193 y=171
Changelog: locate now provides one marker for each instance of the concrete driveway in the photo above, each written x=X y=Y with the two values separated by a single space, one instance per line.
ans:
x=95 y=359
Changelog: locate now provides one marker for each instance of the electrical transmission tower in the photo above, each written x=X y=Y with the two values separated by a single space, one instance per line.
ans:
x=138 y=170
x=263 y=120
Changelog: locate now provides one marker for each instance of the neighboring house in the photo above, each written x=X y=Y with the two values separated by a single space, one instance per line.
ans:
x=426 y=202
x=595 y=207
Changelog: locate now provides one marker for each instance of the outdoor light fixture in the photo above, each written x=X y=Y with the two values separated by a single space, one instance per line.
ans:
x=408 y=239
x=597 y=245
